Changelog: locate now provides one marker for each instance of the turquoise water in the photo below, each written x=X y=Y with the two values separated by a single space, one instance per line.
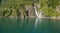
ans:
x=29 y=25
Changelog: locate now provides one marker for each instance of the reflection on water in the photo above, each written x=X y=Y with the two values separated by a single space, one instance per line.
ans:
x=38 y=20
x=29 y=25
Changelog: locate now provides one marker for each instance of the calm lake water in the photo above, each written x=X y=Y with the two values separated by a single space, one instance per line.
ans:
x=29 y=25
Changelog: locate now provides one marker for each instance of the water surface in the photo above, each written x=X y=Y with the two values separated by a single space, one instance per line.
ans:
x=29 y=25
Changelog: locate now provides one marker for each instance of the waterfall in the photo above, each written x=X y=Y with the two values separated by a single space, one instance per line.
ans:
x=36 y=10
x=38 y=14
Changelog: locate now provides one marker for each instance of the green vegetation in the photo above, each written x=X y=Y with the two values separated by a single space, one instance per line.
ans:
x=17 y=8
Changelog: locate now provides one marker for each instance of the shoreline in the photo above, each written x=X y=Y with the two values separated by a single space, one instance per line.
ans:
x=33 y=17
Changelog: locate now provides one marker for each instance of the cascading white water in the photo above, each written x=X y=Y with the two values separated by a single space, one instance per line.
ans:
x=36 y=10
x=38 y=14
